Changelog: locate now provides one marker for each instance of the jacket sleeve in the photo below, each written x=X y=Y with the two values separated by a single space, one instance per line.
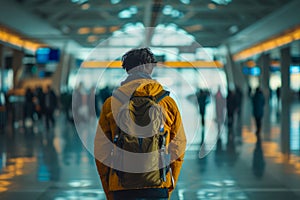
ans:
x=102 y=148
x=177 y=143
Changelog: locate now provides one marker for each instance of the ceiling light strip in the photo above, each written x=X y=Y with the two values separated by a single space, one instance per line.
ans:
x=171 y=64
x=17 y=41
x=268 y=45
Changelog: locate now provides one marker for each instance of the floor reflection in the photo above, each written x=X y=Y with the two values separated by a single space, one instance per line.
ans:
x=55 y=164
x=258 y=163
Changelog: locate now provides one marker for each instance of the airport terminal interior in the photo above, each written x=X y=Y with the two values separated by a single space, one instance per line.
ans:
x=61 y=59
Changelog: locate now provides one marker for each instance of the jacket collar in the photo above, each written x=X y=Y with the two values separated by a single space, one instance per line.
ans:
x=136 y=75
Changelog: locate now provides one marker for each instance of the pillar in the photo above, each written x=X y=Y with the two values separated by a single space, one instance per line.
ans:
x=2 y=66
x=240 y=83
x=66 y=67
x=264 y=65
x=229 y=70
x=16 y=66
x=285 y=99
x=247 y=112
x=56 y=77
x=265 y=74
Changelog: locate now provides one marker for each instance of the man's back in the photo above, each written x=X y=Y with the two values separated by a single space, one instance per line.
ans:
x=139 y=64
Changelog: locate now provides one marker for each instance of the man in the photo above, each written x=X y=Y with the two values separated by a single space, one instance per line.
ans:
x=220 y=109
x=258 y=102
x=50 y=106
x=139 y=64
x=202 y=97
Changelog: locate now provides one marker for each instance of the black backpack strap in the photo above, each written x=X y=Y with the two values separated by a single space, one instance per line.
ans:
x=162 y=95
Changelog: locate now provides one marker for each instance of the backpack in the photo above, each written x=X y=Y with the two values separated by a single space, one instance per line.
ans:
x=140 y=142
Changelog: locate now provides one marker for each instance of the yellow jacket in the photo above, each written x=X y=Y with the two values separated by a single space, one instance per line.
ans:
x=176 y=140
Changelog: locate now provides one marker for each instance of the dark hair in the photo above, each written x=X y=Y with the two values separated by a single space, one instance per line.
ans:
x=136 y=57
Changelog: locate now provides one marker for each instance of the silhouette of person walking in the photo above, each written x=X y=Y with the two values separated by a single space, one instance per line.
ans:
x=231 y=106
x=202 y=97
x=220 y=109
x=258 y=101
x=50 y=105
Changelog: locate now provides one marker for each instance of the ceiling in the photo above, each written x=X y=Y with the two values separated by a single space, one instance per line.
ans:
x=85 y=23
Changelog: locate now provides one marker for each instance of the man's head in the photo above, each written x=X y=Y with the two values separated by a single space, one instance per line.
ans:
x=139 y=57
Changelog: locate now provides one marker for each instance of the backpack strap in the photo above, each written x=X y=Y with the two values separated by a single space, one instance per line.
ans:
x=121 y=96
x=161 y=95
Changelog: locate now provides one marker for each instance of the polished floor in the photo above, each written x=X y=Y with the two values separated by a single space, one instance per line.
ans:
x=54 y=164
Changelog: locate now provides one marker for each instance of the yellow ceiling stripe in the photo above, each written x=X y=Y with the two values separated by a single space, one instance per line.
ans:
x=16 y=40
x=269 y=44
x=173 y=64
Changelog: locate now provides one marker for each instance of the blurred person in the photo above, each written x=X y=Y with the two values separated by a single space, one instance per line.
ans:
x=98 y=103
x=238 y=112
x=220 y=109
x=139 y=64
x=202 y=97
x=258 y=102
x=231 y=107
x=278 y=94
x=249 y=91
x=84 y=109
x=3 y=110
x=28 y=107
x=50 y=106
x=93 y=100
x=40 y=102
x=80 y=100
x=105 y=93
x=76 y=98
x=238 y=101
x=66 y=102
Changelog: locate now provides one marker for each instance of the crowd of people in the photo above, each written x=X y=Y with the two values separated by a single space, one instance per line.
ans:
x=228 y=109
x=39 y=104
x=87 y=102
